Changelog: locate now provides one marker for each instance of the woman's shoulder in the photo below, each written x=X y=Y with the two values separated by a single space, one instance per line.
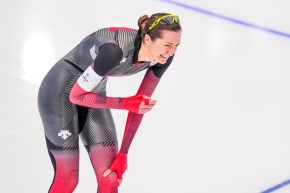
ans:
x=119 y=34
x=113 y=30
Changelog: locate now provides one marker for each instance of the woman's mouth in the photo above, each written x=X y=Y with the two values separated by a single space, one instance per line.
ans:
x=163 y=57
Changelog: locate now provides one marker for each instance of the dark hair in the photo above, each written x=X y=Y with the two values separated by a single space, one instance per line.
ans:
x=145 y=22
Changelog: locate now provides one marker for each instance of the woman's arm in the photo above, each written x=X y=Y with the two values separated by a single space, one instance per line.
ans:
x=109 y=56
x=147 y=87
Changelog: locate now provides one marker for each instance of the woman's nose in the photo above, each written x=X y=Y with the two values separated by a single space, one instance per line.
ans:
x=171 y=51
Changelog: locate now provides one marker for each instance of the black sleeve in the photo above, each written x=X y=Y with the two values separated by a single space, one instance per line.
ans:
x=159 y=69
x=109 y=56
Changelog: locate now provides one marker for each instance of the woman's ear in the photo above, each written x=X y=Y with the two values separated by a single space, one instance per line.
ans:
x=147 y=40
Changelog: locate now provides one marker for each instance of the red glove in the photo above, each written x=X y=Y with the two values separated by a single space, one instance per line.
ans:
x=119 y=165
x=133 y=103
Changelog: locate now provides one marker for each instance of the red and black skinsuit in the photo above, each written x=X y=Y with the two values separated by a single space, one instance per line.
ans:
x=69 y=111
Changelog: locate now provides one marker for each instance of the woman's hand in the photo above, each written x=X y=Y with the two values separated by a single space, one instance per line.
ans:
x=139 y=104
x=146 y=106
x=119 y=165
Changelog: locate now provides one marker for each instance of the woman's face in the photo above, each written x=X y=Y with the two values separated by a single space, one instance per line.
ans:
x=163 y=48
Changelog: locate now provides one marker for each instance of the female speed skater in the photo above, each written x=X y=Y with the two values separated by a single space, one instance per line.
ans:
x=73 y=104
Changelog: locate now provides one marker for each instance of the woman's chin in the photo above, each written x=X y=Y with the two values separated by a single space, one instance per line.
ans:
x=161 y=61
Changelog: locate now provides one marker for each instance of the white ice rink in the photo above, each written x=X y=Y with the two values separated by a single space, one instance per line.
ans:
x=221 y=124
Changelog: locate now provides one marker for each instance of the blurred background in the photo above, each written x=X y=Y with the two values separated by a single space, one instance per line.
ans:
x=221 y=124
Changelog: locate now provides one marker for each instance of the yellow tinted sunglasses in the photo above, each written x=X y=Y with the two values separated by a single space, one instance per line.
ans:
x=166 y=19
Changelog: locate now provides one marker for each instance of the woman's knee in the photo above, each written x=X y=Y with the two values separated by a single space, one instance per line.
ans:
x=66 y=165
x=109 y=181
x=64 y=184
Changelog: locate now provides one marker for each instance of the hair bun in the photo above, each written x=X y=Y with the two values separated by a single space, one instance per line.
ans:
x=141 y=20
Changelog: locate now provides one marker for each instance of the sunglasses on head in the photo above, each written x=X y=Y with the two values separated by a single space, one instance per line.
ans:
x=166 y=19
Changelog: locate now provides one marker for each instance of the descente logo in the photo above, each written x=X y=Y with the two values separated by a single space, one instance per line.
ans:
x=64 y=134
